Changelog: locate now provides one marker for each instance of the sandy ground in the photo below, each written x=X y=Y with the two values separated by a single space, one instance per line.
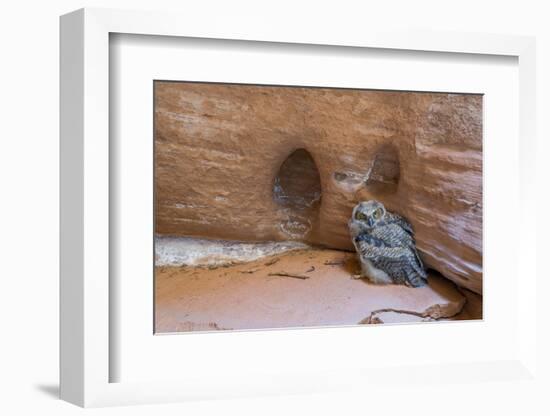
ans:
x=301 y=288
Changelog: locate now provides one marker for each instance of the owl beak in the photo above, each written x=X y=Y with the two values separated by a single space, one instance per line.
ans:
x=370 y=221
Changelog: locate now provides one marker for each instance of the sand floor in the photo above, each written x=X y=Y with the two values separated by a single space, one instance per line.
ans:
x=300 y=288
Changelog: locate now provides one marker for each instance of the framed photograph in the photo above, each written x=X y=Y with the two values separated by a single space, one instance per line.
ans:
x=277 y=211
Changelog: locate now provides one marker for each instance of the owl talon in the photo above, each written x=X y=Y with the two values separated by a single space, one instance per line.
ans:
x=356 y=277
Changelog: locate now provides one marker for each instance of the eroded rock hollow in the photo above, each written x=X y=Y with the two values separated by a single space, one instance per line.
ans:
x=257 y=163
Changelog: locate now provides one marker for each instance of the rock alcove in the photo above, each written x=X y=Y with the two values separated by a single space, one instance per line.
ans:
x=297 y=191
x=383 y=176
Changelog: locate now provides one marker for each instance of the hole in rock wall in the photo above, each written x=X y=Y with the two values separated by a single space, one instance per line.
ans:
x=383 y=175
x=297 y=190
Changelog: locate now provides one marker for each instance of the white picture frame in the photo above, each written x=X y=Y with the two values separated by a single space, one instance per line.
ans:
x=86 y=355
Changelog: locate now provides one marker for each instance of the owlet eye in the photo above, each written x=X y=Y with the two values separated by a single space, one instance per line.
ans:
x=377 y=214
x=360 y=216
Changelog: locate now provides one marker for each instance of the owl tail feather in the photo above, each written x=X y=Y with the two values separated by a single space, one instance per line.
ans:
x=416 y=280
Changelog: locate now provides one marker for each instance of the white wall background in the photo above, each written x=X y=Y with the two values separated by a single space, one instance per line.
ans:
x=29 y=204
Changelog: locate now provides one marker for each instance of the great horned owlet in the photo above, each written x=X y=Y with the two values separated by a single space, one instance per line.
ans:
x=385 y=245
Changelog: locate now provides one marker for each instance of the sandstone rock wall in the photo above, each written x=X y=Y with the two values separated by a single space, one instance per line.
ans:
x=219 y=150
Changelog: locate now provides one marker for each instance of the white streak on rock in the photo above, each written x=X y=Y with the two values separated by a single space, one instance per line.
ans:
x=172 y=251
